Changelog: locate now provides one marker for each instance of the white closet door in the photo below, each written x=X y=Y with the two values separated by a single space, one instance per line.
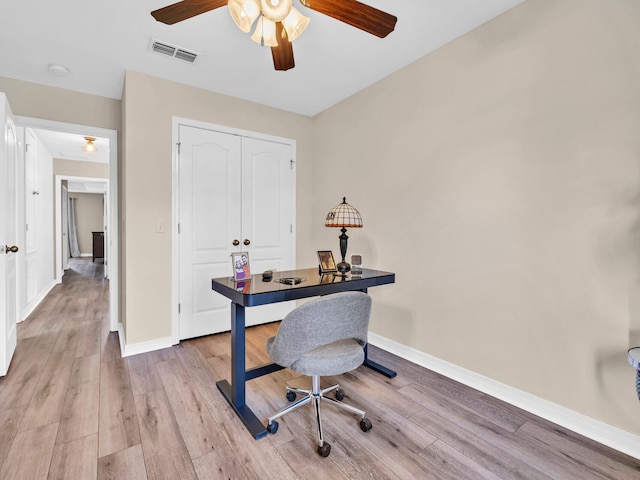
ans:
x=8 y=235
x=267 y=196
x=209 y=206
x=235 y=194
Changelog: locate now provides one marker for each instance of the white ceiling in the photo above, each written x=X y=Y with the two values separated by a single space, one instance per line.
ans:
x=98 y=40
x=68 y=146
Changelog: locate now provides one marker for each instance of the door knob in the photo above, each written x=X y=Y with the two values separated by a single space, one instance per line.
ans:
x=246 y=241
x=12 y=249
x=236 y=242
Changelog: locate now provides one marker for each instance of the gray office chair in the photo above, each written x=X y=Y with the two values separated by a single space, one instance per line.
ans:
x=323 y=337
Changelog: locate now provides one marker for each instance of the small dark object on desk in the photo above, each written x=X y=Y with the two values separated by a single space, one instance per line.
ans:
x=291 y=280
x=267 y=275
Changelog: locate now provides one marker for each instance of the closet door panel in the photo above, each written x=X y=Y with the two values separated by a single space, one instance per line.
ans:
x=267 y=183
x=209 y=217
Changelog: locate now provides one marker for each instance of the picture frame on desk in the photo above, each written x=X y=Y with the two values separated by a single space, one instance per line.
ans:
x=241 y=266
x=326 y=262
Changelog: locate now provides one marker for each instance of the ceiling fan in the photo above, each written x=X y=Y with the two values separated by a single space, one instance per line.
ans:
x=278 y=23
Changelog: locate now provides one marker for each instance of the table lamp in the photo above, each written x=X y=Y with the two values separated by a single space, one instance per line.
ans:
x=342 y=216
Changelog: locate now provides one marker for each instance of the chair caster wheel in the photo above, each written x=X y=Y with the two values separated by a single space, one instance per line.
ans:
x=339 y=394
x=324 y=450
x=291 y=396
x=272 y=427
x=365 y=425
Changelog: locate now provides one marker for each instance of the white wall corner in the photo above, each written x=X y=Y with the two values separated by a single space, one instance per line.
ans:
x=601 y=432
x=143 y=347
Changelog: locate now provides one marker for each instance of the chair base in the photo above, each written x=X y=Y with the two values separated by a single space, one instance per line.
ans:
x=316 y=396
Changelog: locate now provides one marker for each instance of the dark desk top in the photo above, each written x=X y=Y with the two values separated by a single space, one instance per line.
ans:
x=258 y=292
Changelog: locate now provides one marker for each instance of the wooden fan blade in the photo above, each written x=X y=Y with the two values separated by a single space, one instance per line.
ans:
x=283 y=53
x=186 y=9
x=356 y=14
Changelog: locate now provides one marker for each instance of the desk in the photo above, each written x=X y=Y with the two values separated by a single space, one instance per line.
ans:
x=258 y=292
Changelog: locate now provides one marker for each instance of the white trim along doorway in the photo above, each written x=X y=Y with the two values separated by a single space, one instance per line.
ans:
x=112 y=195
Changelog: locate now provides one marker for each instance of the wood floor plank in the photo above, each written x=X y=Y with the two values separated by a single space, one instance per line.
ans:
x=196 y=423
x=580 y=455
x=80 y=413
x=85 y=369
x=123 y=465
x=48 y=399
x=221 y=465
x=476 y=447
x=204 y=377
x=165 y=453
x=30 y=454
x=18 y=386
x=144 y=374
x=525 y=449
x=259 y=458
x=447 y=463
x=89 y=339
x=75 y=459
x=9 y=423
x=117 y=426
x=110 y=348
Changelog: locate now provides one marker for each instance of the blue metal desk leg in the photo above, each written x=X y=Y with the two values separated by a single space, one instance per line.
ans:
x=235 y=393
x=387 y=372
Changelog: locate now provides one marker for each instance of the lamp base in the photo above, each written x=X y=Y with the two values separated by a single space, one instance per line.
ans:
x=343 y=267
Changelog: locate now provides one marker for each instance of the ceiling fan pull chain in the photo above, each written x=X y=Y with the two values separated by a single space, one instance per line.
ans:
x=262 y=32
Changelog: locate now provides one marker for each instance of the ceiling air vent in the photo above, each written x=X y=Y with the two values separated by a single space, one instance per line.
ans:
x=186 y=56
x=165 y=48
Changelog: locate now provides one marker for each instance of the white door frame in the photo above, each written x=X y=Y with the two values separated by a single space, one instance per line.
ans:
x=112 y=135
x=60 y=267
x=175 y=183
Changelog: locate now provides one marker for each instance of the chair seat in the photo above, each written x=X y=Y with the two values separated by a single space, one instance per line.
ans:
x=332 y=359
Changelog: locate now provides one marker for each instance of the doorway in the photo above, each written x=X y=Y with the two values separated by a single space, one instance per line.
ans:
x=111 y=199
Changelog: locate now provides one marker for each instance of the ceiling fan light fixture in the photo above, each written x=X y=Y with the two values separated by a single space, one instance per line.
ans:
x=275 y=10
x=265 y=33
x=294 y=24
x=90 y=147
x=244 y=13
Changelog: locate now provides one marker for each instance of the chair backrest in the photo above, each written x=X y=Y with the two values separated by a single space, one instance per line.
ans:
x=322 y=321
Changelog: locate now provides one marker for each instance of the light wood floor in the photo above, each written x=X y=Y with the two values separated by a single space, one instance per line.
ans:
x=72 y=408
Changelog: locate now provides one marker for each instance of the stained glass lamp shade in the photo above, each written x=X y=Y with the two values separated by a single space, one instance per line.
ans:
x=343 y=216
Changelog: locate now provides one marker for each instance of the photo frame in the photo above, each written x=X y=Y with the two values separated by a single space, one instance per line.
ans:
x=326 y=262
x=241 y=266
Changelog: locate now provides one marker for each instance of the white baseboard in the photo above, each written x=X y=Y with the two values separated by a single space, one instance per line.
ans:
x=127 y=350
x=28 y=310
x=601 y=432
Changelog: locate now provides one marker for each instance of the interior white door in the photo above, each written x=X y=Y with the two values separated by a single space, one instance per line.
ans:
x=267 y=196
x=235 y=194
x=8 y=236
x=31 y=199
x=209 y=222
x=64 y=218
x=106 y=234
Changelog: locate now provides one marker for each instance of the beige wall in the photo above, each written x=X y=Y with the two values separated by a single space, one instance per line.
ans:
x=499 y=177
x=76 y=168
x=89 y=218
x=149 y=105
x=51 y=103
